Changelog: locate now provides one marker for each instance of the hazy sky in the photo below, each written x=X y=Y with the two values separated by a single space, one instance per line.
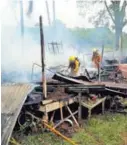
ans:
x=66 y=10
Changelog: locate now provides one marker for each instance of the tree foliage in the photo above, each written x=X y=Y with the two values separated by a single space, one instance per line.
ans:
x=112 y=14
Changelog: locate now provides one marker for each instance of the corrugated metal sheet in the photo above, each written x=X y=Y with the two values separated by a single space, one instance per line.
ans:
x=67 y=79
x=12 y=98
x=106 y=84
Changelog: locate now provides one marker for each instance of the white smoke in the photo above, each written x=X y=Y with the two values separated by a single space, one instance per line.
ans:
x=19 y=54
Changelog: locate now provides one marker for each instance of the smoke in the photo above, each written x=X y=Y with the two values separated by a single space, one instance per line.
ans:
x=19 y=53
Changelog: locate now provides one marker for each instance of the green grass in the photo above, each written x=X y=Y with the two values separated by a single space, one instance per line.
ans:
x=100 y=130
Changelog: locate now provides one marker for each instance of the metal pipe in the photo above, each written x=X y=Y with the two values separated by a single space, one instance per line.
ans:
x=58 y=133
x=42 y=59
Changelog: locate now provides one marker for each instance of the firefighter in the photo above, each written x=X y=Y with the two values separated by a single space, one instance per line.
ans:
x=96 y=58
x=74 y=65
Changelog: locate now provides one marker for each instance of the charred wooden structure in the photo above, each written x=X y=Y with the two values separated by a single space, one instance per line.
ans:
x=62 y=91
x=26 y=105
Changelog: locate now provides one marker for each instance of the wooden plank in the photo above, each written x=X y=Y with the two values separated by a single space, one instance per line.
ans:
x=44 y=102
x=44 y=86
x=92 y=105
x=116 y=85
x=56 y=105
x=61 y=111
x=79 y=107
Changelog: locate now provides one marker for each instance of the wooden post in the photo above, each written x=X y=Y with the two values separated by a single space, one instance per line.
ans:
x=89 y=113
x=52 y=117
x=79 y=108
x=103 y=107
x=45 y=117
x=101 y=62
x=121 y=48
x=42 y=59
x=61 y=111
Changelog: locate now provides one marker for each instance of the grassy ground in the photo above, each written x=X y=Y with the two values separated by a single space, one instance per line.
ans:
x=100 y=130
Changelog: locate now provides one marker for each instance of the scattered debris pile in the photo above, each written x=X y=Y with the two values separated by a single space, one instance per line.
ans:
x=65 y=96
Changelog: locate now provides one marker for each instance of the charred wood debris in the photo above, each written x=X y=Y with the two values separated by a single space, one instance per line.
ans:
x=62 y=89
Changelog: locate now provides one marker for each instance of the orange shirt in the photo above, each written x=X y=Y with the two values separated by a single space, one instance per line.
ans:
x=96 y=59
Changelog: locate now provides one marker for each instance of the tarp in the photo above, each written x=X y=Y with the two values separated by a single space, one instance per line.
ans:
x=123 y=69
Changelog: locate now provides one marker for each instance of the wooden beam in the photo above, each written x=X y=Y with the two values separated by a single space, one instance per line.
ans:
x=52 y=117
x=42 y=59
x=44 y=102
x=93 y=105
x=56 y=105
x=103 y=107
x=79 y=108
x=61 y=111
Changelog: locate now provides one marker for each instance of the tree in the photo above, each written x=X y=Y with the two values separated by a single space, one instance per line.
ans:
x=114 y=12
x=118 y=16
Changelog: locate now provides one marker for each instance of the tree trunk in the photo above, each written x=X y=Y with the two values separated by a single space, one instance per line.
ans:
x=117 y=23
x=118 y=33
x=121 y=48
